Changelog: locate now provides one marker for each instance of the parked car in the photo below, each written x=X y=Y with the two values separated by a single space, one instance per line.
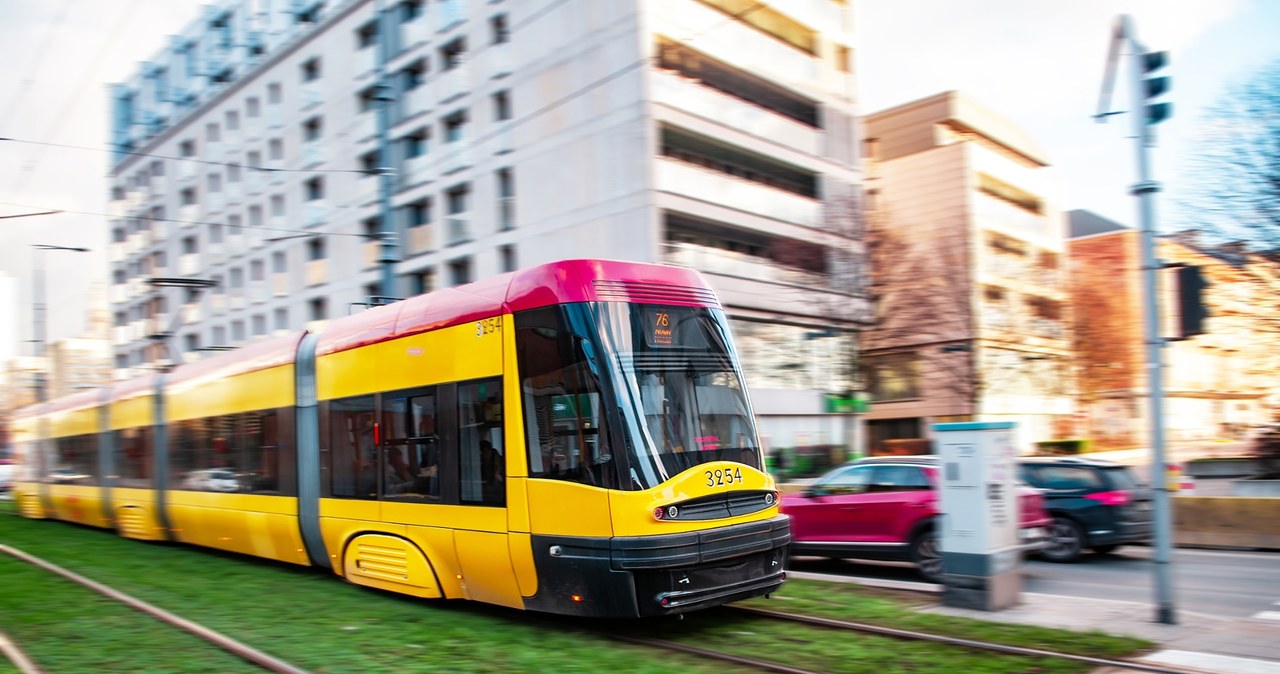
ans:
x=1095 y=504
x=6 y=475
x=211 y=479
x=886 y=508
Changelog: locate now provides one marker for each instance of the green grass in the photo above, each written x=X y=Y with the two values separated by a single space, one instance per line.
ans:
x=315 y=621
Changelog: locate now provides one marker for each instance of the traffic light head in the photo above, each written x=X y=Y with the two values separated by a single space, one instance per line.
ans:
x=1154 y=87
x=1192 y=312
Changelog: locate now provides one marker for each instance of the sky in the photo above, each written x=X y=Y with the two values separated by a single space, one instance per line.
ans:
x=1039 y=64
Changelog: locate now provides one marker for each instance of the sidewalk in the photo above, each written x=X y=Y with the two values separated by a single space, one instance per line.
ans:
x=1198 y=642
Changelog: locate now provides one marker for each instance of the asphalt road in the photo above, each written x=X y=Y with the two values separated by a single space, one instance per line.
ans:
x=1220 y=583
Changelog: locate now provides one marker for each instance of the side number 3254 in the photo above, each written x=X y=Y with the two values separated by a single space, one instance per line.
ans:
x=487 y=327
x=723 y=477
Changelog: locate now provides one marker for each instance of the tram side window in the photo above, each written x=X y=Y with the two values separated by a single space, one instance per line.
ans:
x=411 y=446
x=265 y=468
x=482 y=461
x=133 y=457
x=564 y=421
x=352 y=449
x=76 y=461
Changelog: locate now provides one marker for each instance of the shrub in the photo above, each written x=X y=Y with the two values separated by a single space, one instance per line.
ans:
x=1061 y=447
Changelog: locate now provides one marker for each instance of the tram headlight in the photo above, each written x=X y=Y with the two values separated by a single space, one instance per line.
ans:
x=770 y=498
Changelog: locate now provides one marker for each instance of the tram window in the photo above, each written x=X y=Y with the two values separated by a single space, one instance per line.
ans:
x=411 y=450
x=482 y=461
x=565 y=427
x=351 y=440
x=76 y=460
x=268 y=464
x=133 y=456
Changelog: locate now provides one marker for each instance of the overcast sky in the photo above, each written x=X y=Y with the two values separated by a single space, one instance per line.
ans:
x=1038 y=63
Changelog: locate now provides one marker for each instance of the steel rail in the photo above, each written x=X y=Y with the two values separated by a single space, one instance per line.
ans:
x=17 y=657
x=694 y=650
x=956 y=641
x=222 y=641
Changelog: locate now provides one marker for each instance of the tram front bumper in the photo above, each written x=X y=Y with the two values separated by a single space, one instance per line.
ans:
x=661 y=574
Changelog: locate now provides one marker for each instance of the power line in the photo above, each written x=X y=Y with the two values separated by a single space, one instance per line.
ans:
x=306 y=232
x=265 y=169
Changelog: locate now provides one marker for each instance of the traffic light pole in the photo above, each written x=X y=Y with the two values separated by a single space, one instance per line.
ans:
x=1145 y=190
x=1144 y=114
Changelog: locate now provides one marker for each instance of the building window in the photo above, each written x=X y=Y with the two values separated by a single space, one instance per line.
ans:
x=237 y=278
x=502 y=106
x=414 y=75
x=312 y=129
x=311 y=69
x=415 y=144
x=215 y=182
x=215 y=233
x=157 y=168
x=233 y=173
x=212 y=133
x=187 y=148
x=367 y=35
x=189 y=245
x=255 y=216
x=275 y=93
x=506 y=199
x=318 y=309
x=315 y=249
x=499 y=28
x=237 y=331
x=277 y=205
x=410 y=10
x=456 y=199
x=233 y=120
x=367 y=98
x=460 y=271
x=313 y=188
x=257 y=270
x=252 y=108
x=219 y=335
x=418 y=213
x=369 y=164
x=275 y=149
x=279 y=262
x=454 y=125
x=259 y=325
x=453 y=54
x=282 y=319
x=508 y=255
x=255 y=159
x=191 y=343
x=188 y=196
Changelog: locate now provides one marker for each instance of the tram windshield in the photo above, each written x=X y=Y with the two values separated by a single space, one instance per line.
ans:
x=627 y=396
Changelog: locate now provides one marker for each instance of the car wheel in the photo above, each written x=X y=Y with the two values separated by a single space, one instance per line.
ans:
x=926 y=554
x=1066 y=540
x=1104 y=549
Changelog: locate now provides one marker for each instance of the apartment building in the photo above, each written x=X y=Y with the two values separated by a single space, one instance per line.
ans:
x=1215 y=385
x=968 y=264
x=717 y=134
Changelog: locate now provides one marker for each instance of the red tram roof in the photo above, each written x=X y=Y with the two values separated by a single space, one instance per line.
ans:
x=250 y=358
x=544 y=285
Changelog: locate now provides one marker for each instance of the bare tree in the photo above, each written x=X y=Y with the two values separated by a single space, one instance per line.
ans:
x=1237 y=165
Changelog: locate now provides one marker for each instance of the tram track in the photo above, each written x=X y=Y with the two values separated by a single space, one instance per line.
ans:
x=244 y=651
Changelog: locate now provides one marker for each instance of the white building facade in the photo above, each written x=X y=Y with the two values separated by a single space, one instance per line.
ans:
x=717 y=134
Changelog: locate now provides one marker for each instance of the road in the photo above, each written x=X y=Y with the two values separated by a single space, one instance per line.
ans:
x=1220 y=583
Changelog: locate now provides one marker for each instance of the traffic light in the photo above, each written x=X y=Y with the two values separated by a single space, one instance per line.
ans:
x=1154 y=87
x=1192 y=311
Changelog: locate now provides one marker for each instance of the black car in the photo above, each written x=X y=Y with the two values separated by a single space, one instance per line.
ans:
x=1095 y=504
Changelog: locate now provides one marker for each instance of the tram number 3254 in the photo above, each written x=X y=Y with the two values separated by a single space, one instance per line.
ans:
x=723 y=477
x=487 y=327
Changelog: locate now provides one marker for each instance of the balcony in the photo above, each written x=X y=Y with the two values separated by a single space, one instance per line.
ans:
x=369 y=254
x=366 y=126
x=235 y=193
x=416 y=170
x=741 y=265
x=494 y=60
x=1004 y=216
x=314 y=213
x=279 y=284
x=317 y=272
x=258 y=292
x=189 y=215
x=116 y=252
x=312 y=95
x=417 y=101
x=453 y=84
x=118 y=293
x=502 y=139
x=277 y=177
x=457 y=230
x=418 y=239
x=256 y=181
x=417 y=31
x=743 y=47
x=685 y=94
x=313 y=154
x=187 y=171
x=506 y=213
x=695 y=182
x=364 y=61
x=253 y=129
x=189 y=264
x=215 y=202
x=456 y=156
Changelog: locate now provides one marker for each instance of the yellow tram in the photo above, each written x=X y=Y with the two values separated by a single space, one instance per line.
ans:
x=573 y=438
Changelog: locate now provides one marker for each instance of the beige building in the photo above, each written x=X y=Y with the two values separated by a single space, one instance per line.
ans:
x=1216 y=384
x=968 y=274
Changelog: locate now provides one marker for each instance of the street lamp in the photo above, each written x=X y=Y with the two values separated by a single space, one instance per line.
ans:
x=39 y=309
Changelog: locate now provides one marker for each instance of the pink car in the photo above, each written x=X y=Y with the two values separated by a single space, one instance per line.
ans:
x=885 y=508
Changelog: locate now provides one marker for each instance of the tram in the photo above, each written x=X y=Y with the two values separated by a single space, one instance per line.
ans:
x=573 y=438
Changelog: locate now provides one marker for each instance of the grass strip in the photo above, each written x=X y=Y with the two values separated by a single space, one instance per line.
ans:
x=315 y=621
x=855 y=603
x=64 y=627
